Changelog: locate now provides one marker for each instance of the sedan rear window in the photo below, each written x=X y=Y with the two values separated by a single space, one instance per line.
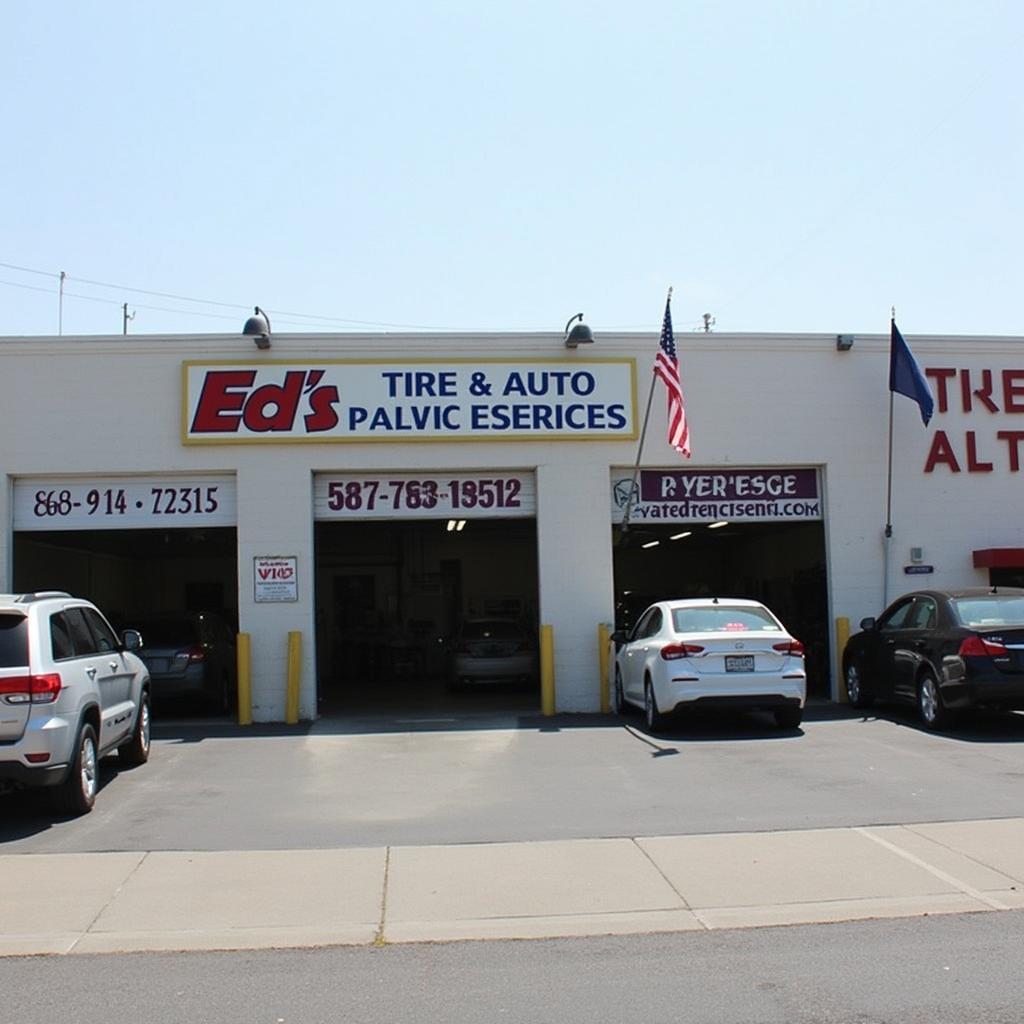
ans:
x=167 y=632
x=722 y=618
x=990 y=610
x=496 y=630
x=13 y=641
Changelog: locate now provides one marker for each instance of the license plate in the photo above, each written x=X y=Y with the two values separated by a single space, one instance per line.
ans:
x=739 y=663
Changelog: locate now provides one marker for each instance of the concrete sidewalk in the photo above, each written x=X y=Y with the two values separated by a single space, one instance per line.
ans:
x=107 y=902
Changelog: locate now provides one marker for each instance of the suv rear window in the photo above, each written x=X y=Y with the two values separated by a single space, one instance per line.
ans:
x=13 y=641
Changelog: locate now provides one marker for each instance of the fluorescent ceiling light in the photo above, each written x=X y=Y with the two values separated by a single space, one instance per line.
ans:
x=651 y=544
x=460 y=526
x=680 y=536
x=715 y=526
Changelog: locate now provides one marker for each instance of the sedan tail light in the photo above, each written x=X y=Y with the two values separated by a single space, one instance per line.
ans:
x=191 y=654
x=672 y=652
x=793 y=647
x=42 y=689
x=979 y=647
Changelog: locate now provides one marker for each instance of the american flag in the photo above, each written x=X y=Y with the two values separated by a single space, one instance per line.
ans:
x=666 y=366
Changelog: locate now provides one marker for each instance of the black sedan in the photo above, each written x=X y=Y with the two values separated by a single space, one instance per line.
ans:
x=944 y=650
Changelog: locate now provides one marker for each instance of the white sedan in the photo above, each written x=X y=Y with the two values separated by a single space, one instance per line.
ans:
x=710 y=652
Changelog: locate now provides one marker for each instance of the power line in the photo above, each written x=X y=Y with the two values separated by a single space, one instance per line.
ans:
x=213 y=302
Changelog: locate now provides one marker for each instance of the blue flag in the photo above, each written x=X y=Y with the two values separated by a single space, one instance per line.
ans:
x=905 y=376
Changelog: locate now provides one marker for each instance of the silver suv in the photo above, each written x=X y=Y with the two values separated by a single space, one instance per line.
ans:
x=71 y=692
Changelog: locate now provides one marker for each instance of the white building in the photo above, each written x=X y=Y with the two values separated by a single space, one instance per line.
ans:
x=309 y=487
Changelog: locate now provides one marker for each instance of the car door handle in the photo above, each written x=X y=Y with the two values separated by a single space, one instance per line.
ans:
x=91 y=673
x=113 y=666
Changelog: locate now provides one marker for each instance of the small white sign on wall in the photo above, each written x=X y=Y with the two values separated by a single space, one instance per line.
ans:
x=276 y=578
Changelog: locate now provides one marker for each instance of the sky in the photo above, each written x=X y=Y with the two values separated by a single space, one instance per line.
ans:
x=788 y=166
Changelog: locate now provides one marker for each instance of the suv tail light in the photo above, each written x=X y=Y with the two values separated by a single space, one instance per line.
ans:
x=42 y=689
x=192 y=654
x=793 y=647
x=672 y=652
x=979 y=647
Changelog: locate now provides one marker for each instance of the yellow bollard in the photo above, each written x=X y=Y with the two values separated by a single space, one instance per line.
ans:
x=603 y=643
x=842 y=635
x=243 y=659
x=547 y=670
x=291 y=705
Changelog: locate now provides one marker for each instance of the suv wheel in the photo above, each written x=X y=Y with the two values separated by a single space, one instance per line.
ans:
x=136 y=750
x=77 y=793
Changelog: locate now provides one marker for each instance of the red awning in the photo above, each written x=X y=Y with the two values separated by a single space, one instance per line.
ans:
x=999 y=558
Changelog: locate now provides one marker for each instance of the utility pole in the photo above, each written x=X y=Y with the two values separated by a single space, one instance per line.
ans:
x=60 y=304
x=125 y=318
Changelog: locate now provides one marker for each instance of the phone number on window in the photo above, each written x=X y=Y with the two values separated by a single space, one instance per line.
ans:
x=116 y=501
x=414 y=495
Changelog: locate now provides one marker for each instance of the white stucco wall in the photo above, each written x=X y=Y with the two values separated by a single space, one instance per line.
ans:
x=106 y=406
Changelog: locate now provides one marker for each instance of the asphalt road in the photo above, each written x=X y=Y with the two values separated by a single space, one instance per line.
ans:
x=956 y=970
x=418 y=781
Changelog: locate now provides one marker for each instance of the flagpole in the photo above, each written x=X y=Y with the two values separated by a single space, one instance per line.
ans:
x=887 y=540
x=640 y=448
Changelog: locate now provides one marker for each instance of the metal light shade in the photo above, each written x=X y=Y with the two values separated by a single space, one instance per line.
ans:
x=581 y=334
x=257 y=327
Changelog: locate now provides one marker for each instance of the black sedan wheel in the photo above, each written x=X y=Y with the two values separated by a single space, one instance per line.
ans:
x=929 y=703
x=859 y=697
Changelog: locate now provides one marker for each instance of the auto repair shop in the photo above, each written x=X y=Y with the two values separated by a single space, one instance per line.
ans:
x=367 y=493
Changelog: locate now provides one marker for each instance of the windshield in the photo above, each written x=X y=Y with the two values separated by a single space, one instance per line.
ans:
x=722 y=618
x=494 y=630
x=990 y=610
x=167 y=632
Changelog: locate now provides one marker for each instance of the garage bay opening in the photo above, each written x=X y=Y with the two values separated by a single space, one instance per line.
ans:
x=733 y=550
x=419 y=618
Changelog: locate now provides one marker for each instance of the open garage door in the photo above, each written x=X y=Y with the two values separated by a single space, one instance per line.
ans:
x=154 y=553
x=751 y=533
x=426 y=591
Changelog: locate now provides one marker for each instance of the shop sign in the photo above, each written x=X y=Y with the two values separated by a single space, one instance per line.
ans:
x=698 y=495
x=123 y=503
x=918 y=570
x=485 y=494
x=275 y=578
x=454 y=400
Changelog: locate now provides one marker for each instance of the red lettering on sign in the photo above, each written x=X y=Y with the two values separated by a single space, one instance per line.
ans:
x=1013 y=439
x=1013 y=390
x=940 y=375
x=221 y=401
x=974 y=465
x=941 y=453
x=322 y=402
x=281 y=399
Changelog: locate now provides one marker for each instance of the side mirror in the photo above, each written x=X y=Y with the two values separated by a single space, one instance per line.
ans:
x=619 y=637
x=131 y=640
x=868 y=623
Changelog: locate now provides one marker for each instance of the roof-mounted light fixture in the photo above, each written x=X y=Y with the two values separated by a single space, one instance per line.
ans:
x=257 y=327
x=581 y=334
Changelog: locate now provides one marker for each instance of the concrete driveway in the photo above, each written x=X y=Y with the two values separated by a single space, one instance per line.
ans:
x=363 y=782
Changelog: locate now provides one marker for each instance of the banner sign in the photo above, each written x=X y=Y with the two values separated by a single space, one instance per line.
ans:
x=707 y=495
x=455 y=400
x=484 y=494
x=120 y=503
x=275 y=578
